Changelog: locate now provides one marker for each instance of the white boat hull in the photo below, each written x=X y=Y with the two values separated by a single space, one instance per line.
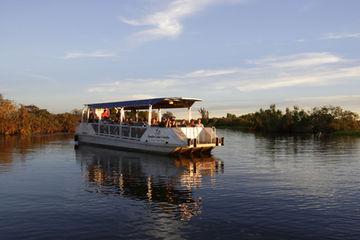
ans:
x=125 y=144
x=181 y=141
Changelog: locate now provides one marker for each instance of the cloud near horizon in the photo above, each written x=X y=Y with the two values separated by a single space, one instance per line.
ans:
x=299 y=60
x=307 y=69
x=94 y=54
x=343 y=35
x=332 y=36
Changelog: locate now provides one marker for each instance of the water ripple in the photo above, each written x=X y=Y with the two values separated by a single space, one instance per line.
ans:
x=253 y=188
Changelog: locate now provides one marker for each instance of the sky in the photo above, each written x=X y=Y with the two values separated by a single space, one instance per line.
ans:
x=236 y=55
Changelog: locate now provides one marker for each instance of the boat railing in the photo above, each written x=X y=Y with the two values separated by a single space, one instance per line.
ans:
x=120 y=131
x=203 y=135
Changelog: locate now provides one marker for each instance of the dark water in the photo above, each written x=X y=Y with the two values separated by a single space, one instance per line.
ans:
x=253 y=188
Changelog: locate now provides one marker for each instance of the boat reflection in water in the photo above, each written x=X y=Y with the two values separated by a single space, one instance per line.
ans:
x=165 y=182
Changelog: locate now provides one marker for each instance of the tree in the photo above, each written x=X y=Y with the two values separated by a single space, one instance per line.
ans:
x=230 y=116
x=8 y=117
x=24 y=121
x=76 y=112
x=204 y=113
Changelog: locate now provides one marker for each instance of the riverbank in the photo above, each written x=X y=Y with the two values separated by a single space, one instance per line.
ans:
x=326 y=120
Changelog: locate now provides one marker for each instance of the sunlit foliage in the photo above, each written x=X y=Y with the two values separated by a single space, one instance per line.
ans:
x=326 y=119
x=204 y=113
x=26 y=120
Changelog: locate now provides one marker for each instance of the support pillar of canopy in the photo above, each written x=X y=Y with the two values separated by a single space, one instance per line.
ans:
x=149 y=115
x=88 y=114
x=82 y=114
x=99 y=123
x=159 y=115
x=189 y=114
x=122 y=115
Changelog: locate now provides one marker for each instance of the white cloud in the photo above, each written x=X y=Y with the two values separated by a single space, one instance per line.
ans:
x=331 y=36
x=323 y=77
x=208 y=73
x=307 y=69
x=95 y=54
x=332 y=98
x=336 y=36
x=300 y=60
x=168 y=22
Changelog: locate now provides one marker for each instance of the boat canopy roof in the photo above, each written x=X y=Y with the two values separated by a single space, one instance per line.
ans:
x=156 y=103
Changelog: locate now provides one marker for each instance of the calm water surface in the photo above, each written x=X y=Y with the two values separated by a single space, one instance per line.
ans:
x=253 y=188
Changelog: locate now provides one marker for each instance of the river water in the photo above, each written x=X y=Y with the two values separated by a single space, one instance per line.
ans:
x=255 y=187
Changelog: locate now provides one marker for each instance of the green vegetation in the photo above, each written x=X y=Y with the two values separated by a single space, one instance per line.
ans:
x=26 y=120
x=355 y=133
x=323 y=120
x=204 y=113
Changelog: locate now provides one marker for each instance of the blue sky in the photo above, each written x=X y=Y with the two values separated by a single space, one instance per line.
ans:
x=237 y=55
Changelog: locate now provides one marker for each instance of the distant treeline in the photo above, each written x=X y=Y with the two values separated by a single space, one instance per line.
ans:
x=25 y=120
x=318 y=120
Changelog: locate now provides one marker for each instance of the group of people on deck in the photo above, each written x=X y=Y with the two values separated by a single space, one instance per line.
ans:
x=172 y=122
x=165 y=122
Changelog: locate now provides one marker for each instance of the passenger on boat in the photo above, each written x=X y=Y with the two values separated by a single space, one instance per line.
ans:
x=168 y=123
x=154 y=122
x=192 y=123
x=118 y=116
x=183 y=123
x=126 y=121
x=144 y=122
x=162 y=123
x=92 y=116
x=106 y=114
x=199 y=123
x=173 y=122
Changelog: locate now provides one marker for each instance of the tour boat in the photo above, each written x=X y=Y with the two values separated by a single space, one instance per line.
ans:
x=145 y=136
